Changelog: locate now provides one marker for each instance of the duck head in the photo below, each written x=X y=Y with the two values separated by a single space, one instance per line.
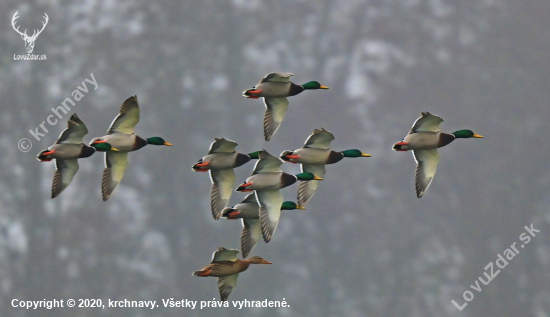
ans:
x=254 y=155
x=258 y=260
x=290 y=205
x=465 y=134
x=156 y=140
x=307 y=176
x=313 y=85
x=354 y=153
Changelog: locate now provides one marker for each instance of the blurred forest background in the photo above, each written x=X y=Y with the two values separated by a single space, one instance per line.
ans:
x=365 y=246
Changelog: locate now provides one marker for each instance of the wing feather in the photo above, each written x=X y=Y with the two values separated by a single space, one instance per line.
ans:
x=277 y=77
x=274 y=115
x=222 y=188
x=267 y=164
x=306 y=189
x=64 y=173
x=221 y=145
x=127 y=118
x=75 y=132
x=115 y=165
x=426 y=166
x=250 y=235
x=226 y=285
x=270 y=211
x=319 y=139
x=223 y=254
x=426 y=122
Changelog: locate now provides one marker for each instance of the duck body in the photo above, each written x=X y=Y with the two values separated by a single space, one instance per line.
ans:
x=66 y=151
x=424 y=138
x=220 y=161
x=312 y=156
x=268 y=181
x=273 y=89
x=123 y=142
x=226 y=267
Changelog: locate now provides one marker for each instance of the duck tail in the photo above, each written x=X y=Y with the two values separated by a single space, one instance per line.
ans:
x=199 y=273
x=400 y=146
x=249 y=93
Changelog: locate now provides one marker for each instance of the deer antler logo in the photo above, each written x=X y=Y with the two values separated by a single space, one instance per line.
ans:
x=29 y=40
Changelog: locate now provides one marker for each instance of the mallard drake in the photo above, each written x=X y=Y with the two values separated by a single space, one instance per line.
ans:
x=249 y=212
x=66 y=150
x=423 y=139
x=275 y=87
x=266 y=181
x=313 y=156
x=122 y=137
x=226 y=267
x=222 y=158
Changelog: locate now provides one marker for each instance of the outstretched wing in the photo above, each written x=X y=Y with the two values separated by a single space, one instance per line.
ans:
x=76 y=130
x=221 y=145
x=64 y=173
x=274 y=115
x=426 y=123
x=270 y=211
x=222 y=188
x=426 y=165
x=226 y=285
x=267 y=164
x=306 y=189
x=319 y=139
x=115 y=165
x=280 y=77
x=250 y=235
x=127 y=118
x=223 y=254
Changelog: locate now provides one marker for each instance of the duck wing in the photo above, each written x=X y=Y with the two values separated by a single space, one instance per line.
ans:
x=223 y=254
x=250 y=235
x=222 y=188
x=426 y=165
x=267 y=164
x=426 y=123
x=115 y=165
x=306 y=189
x=226 y=285
x=75 y=132
x=64 y=173
x=127 y=118
x=221 y=145
x=277 y=77
x=274 y=115
x=319 y=139
x=270 y=211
